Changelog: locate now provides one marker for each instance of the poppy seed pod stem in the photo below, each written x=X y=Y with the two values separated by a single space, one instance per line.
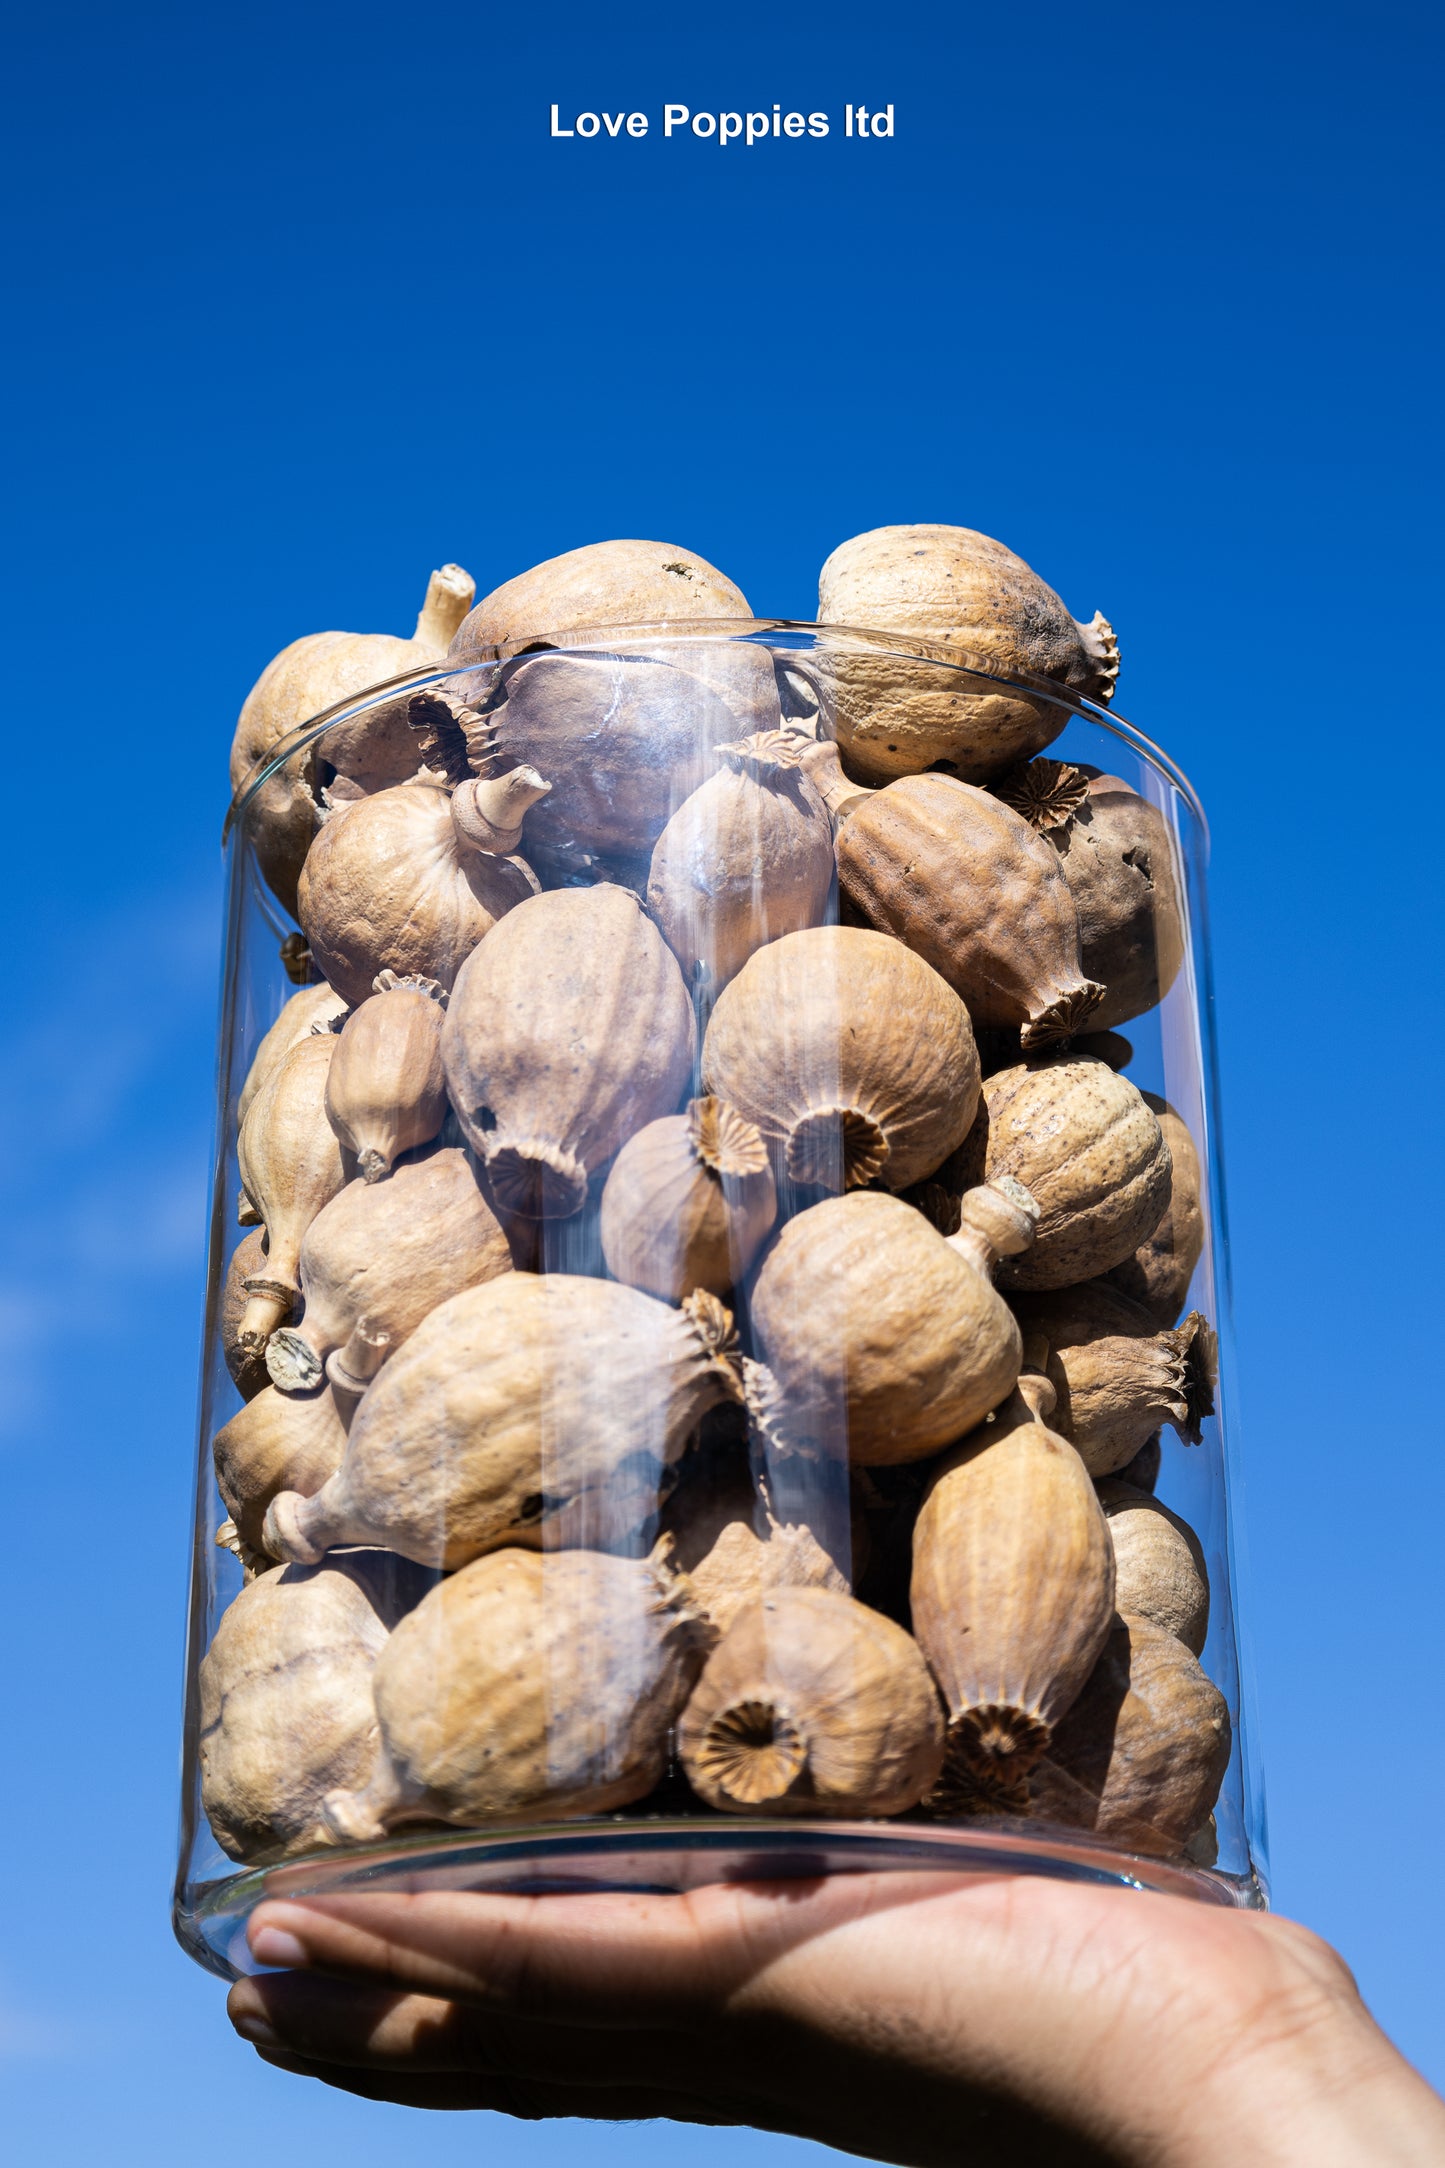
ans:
x=450 y=593
x=487 y=812
x=823 y=768
x=997 y=1219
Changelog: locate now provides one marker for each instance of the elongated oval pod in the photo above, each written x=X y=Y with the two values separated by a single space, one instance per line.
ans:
x=1158 y=1274
x=1117 y=855
x=812 y=1704
x=1141 y=1755
x=536 y=1410
x=1118 y=1377
x=569 y=1029
x=967 y=884
x=896 y=715
x=748 y=857
x=688 y=1203
x=314 y=1007
x=292 y=1165
x=1012 y=1594
x=1159 y=1570
x=1088 y=1147
x=879 y=1337
x=390 y=884
x=527 y=1685
x=276 y=1443
x=286 y=1704
x=851 y=1055
x=246 y=1362
x=378 y=1259
x=386 y=1092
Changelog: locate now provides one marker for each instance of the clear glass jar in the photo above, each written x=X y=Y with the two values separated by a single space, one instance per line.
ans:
x=561 y=1396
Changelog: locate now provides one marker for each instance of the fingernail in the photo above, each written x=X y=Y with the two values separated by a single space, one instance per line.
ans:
x=273 y=1946
x=257 y=2031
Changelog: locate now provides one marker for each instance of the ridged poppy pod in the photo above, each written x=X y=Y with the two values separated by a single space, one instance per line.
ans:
x=1141 y=1755
x=292 y=1164
x=812 y=1704
x=569 y=1029
x=392 y=884
x=305 y=679
x=733 y=1551
x=851 y=1055
x=970 y=887
x=688 y=1203
x=1118 y=1376
x=1118 y=857
x=603 y=583
x=536 y=1410
x=1012 y=1595
x=377 y=1260
x=896 y=715
x=1159 y=1570
x=276 y=1443
x=246 y=1361
x=1159 y=1272
x=315 y=1008
x=527 y=1685
x=386 y=1091
x=880 y=1338
x=747 y=857
x=286 y=1705
x=1088 y=1147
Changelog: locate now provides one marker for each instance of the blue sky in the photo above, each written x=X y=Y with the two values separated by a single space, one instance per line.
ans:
x=303 y=301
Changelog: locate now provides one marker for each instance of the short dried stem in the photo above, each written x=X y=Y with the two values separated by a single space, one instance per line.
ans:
x=487 y=812
x=997 y=1219
x=352 y=1368
x=820 y=763
x=296 y=1529
x=271 y=1303
x=450 y=593
x=292 y=1363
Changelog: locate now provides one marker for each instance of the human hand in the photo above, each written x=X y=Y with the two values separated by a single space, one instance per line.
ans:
x=919 y=2019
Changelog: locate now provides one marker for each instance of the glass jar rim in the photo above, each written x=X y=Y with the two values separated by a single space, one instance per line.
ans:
x=802 y=635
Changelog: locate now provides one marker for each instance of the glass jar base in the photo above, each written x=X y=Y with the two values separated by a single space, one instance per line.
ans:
x=668 y=1855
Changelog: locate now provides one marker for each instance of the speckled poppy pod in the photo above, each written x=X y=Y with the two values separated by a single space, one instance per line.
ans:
x=1159 y=1273
x=895 y=714
x=966 y=883
x=1118 y=857
x=527 y=1684
x=1140 y=1757
x=292 y=1164
x=1088 y=1147
x=880 y=1339
x=812 y=1704
x=539 y=1410
x=372 y=750
x=748 y=857
x=851 y=1055
x=569 y=1029
x=1159 y=1571
x=1117 y=1375
x=689 y=1202
x=1012 y=1596
x=392 y=883
x=377 y=1260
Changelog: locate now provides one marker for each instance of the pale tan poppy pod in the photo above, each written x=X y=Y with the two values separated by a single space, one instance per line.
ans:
x=812 y=1704
x=286 y=1703
x=292 y=1164
x=1088 y=1147
x=528 y=1685
x=969 y=886
x=964 y=592
x=377 y=1260
x=1012 y=1595
x=878 y=1336
x=305 y=679
x=689 y=1202
x=392 y=884
x=851 y=1055
x=1140 y=1757
x=1119 y=859
x=748 y=857
x=1117 y=1375
x=1159 y=1272
x=534 y=1410
x=276 y=1443
x=569 y=1029
x=245 y=1361
x=386 y=1092
x=315 y=1008
x=604 y=583
x=1159 y=1571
